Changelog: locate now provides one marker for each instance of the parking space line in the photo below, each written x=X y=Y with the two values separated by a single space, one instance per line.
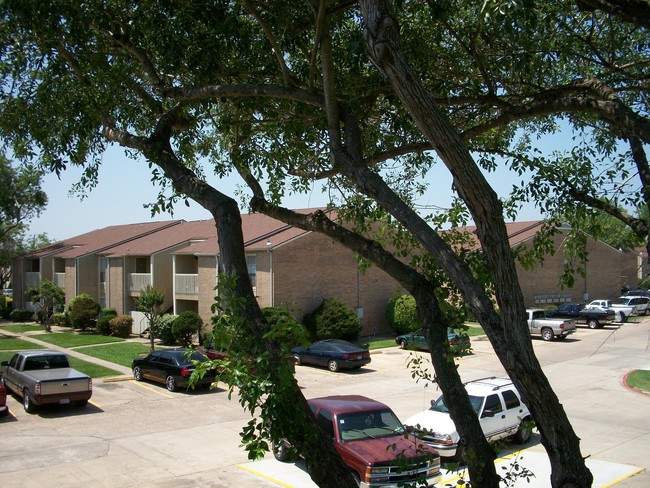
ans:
x=621 y=478
x=264 y=476
x=94 y=404
x=150 y=389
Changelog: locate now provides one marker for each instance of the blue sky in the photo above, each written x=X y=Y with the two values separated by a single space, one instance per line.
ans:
x=125 y=187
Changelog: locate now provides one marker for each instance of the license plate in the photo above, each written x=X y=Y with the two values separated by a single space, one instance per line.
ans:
x=64 y=401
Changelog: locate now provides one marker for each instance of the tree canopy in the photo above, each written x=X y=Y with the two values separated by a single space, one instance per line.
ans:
x=366 y=98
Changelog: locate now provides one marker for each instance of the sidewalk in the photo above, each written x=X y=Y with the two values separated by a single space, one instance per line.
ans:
x=126 y=373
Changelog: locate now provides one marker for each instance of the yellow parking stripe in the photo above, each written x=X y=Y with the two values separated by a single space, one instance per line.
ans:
x=262 y=475
x=150 y=389
x=618 y=480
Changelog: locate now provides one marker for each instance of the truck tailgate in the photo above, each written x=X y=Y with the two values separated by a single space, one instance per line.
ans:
x=63 y=386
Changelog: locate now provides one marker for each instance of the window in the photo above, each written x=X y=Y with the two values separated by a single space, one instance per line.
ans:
x=103 y=264
x=141 y=265
x=510 y=399
x=324 y=421
x=492 y=404
x=252 y=269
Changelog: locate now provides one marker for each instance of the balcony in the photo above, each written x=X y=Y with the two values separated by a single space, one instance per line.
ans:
x=59 y=280
x=137 y=281
x=186 y=284
x=32 y=279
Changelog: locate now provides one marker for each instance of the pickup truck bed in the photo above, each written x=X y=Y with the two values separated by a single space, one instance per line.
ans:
x=43 y=377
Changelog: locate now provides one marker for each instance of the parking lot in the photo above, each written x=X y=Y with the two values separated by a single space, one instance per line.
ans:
x=139 y=434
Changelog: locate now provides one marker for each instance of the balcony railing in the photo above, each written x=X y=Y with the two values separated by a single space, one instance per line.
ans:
x=32 y=279
x=137 y=281
x=59 y=280
x=187 y=284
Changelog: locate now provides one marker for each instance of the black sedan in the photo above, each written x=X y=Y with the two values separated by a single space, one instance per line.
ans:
x=332 y=353
x=172 y=367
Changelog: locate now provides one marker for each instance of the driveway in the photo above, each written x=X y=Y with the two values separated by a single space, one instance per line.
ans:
x=139 y=434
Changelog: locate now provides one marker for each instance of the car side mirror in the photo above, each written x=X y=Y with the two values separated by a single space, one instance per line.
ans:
x=487 y=413
x=433 y=402
x=4 y=363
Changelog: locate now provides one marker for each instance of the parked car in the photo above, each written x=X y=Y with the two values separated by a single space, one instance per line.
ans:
x=372 y=442
x=4 y=410
x=594 y=317
x=497 y=404
x=334 y=354
x=639 y=304
x=417 y=340
x=44 y=377
x=172 y=367
x=622 y=311
x=549 y=328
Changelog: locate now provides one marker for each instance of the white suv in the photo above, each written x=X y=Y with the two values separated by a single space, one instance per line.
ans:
x=500 y=410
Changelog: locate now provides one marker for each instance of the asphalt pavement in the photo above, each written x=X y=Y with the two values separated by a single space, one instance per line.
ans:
x=139 y=435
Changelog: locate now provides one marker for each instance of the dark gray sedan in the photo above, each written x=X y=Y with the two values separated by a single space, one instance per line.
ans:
x=172 y=367
x=333 y=354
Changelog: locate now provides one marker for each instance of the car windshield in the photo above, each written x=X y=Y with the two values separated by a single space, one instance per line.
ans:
x=441 y=406
x=621 y=301
x=368 y=425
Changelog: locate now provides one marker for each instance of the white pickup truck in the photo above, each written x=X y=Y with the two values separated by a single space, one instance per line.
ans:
x=549 y=328
x=623 y=307
x=42 y=376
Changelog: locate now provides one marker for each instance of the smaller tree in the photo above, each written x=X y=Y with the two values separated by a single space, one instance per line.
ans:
x=185 y=326
x=49 y=296
x=402 y=315
x=333 y=320
x=83 y=311
x=150 y=303
x=285 y=329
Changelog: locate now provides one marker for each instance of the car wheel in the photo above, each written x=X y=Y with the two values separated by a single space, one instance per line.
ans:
x=296 y=359
x=524 y=432
x=28 y=405
x=333 y=365
x=137 y=373
x=280 y=451
x=623 y=317
x=170 y=383
x=592 y=324
x=81 y=403
x=547 y=334
x=403 y=344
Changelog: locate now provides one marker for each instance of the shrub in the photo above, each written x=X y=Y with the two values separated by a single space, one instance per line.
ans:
x=20 y=315
x=104 y=324
x=83 y=311
x=108 y=311
x=60 y=319
x=284 y=328
x=402 y=315
x=163 y=329
x=185 y=326
x=121 y=325
x=333 y=320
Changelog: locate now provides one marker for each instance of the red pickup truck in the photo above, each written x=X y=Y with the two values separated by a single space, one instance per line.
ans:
x=369 y=437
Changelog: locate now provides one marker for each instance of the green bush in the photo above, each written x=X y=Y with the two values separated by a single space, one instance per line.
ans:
x=20 y=315
x=333 y=320
x=121 y=325
x=185 y=326
x=104 y=324
x=108 y=311
x=401 y=314
x=83 y=311
x=285 y=329
x=163 y=329
x=60 y=319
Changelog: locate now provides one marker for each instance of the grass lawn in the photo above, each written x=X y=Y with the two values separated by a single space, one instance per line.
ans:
x=381 y=343
x=23 y=327
x=8 y=343
x=91 y=369
x=639 y=380
x=122 y=353
x=67 y=340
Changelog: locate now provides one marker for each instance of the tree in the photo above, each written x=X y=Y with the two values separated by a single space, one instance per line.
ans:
x=21 y=200
x=49 y=296
x=286 y=96
x=150 y=303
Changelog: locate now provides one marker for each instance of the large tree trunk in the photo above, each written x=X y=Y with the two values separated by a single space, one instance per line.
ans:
x=509 y=335
x=326 y=467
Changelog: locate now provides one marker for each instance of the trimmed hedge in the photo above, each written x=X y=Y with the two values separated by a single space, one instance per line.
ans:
x=121 y=325
x=401 y=314
x=20 y=315
x=185 y=326
x=83 y=311
x=333 y=320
